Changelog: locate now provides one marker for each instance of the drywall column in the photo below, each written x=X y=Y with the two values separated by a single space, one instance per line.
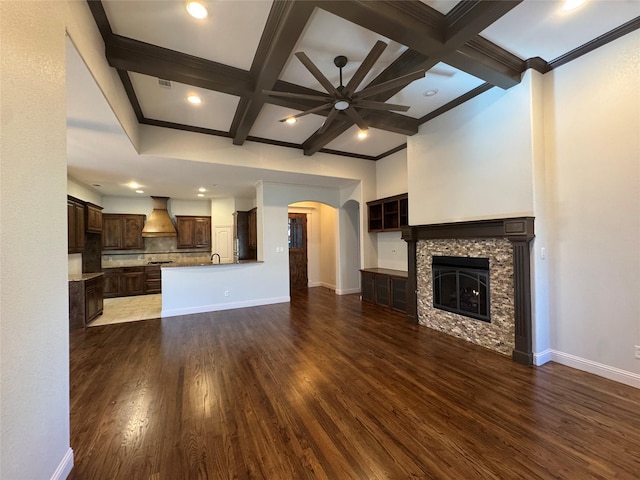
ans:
x=34 y=307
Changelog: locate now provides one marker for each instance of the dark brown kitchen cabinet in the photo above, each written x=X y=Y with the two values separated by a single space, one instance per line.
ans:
x=152 y=279
x=253 y=228
x=388 y=214
x=193 y=231
x=384 y=287
x=85 y=299
x=93 y=218
x=124 y=281
x=75 y=225
x=122 y=231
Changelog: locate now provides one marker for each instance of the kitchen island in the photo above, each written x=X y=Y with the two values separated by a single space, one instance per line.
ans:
x=208 y=287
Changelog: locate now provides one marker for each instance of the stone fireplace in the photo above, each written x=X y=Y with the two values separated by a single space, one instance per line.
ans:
x=506 y=327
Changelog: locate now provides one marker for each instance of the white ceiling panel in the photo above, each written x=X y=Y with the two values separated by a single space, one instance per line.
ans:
x=378 y=142
x=170 y=104
x=327 y=36
x=443 y=6
x=229 y=35
x=268 y=125
x=541 y=28
x=449 y=83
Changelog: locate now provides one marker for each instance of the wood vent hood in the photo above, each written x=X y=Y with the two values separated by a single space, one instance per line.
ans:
x=159 y=223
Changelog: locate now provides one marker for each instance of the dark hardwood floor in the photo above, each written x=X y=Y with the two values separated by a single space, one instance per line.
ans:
x=331 y=388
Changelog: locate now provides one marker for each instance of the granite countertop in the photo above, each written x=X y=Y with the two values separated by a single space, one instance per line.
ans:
x=81 y=277
x=208 y=264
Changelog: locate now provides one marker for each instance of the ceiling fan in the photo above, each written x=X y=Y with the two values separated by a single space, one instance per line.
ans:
x=344 y=99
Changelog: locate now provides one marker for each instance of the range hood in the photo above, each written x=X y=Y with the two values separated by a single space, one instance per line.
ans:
x=159 y=223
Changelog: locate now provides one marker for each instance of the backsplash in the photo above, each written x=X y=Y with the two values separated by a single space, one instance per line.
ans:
x=160 y=249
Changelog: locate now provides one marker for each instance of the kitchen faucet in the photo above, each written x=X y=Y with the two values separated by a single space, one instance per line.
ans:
x=215 y=255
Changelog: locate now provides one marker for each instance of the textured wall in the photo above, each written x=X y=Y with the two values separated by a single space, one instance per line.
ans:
x=500 y=333
x=34 y=331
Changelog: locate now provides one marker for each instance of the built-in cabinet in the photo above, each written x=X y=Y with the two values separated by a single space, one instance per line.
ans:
x=85 y=299
x=193 y=231
x=385 y=287
x=122 y=231
x=152 y=279
x=75 y=225
x=388 y=214
x=253 y=228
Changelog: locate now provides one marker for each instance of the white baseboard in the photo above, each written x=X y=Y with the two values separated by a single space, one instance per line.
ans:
x=64 y=467
x=321 y=284
x=347 y=291
x=612 y=373
x=174 y=312
x=542 y=357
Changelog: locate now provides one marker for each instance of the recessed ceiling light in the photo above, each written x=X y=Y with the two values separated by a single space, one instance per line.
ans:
x=431 y=93
x=202 y=189
x=194 y=99
x=572 y=4
x=362 y=134
x=201 y=194
x=139 y=191
x=197 y=9
x=133 y=185
x=291 y=120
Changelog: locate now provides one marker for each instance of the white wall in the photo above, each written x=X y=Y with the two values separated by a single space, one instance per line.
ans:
x=83 y=192
x=144 y=206
x=474 y=162
x=592 y=116
x=328 y=245
x=348 y=276
x=391 y=179
x=34 y=331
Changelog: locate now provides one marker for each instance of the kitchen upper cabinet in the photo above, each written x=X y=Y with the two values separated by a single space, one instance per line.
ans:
x=75 y=225
x=193 y=231
x=122 y=231
x=93 y=218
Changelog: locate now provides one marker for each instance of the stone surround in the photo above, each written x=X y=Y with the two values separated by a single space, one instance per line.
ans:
x=510 y=280
x=497 y=335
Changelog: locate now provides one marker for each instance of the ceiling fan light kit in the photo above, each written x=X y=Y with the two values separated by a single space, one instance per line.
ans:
x=345 y=101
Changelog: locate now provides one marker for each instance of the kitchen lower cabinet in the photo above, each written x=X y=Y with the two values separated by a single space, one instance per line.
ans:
x=85 y=299
x=384 y=287
x=124 y=281
x=152 y=279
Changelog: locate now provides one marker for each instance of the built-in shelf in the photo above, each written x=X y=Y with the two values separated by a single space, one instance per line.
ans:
x=388 y=214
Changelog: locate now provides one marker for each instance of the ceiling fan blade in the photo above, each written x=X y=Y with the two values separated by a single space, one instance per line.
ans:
x=364 y=68
x=373 y=105
x=307 y=112
x=332 y=114
x=402 y=81
x=328 y=86
x=357 y=119
x=303 y=96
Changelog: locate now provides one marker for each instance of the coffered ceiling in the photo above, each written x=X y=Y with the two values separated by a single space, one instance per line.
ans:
x=245 y=47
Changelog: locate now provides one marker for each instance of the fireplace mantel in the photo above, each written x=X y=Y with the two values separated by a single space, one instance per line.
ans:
x=519 y=231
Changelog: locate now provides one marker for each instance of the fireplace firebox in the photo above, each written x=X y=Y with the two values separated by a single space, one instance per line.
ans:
x=461 y=285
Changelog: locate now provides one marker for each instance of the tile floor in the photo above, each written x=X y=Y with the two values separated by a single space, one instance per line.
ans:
x=129 y=309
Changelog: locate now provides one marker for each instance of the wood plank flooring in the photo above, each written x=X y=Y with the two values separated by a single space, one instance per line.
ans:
x=328 y=387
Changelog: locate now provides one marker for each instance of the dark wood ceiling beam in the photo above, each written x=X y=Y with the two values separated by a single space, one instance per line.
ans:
x=134 y=56
x=285 y=24
x=408 y=22
x=483 y=59
x=315 y=143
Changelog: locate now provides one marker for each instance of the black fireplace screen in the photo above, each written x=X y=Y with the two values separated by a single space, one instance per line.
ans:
x=461 y=285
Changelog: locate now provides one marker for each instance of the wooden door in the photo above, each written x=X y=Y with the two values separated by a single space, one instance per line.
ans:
x=298 y=250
